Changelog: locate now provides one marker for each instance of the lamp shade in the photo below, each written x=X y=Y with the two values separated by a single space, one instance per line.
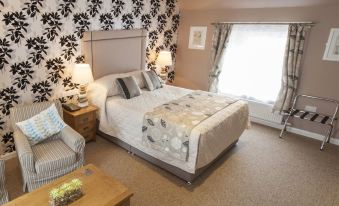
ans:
x=164 y=59
x=82 y=74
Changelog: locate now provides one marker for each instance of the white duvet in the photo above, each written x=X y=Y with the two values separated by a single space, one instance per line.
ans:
x=123 y=118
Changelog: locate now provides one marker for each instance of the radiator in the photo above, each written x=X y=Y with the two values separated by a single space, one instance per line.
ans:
x=262 y=113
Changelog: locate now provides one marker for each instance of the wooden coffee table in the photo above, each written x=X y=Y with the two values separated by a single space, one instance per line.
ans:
x=99 y=190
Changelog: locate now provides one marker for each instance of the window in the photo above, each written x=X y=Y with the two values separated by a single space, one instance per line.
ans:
x=253 y=62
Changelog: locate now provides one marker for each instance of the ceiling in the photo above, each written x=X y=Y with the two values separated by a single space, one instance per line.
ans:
x=239 y=4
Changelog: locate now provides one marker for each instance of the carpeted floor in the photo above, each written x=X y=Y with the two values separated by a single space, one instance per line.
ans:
x=261 y=170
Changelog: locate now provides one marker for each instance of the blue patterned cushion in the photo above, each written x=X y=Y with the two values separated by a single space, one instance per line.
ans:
x=43 y=125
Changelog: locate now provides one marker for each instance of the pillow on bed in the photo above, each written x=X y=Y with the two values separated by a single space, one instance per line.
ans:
x=109 y=81
x=128 y=87
x=152 y=80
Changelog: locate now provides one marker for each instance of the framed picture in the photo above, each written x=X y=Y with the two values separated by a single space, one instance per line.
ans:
x=332 y=46
x=197 y=37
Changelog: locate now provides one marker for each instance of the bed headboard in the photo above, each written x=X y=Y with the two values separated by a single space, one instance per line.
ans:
x=117 y=51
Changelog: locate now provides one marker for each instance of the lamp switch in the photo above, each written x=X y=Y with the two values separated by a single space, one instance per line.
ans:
x=310 y=108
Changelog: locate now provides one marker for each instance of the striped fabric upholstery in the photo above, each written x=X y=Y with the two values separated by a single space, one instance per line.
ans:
x=24 y=151
x=53 y=155
x=76 y=143
x=50 y=159
x=3 y=191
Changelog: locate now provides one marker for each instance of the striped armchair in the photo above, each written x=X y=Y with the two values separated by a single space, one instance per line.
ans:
x=50 y=159
x=3 y=191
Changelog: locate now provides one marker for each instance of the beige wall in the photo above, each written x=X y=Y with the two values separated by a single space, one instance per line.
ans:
x=319 y=77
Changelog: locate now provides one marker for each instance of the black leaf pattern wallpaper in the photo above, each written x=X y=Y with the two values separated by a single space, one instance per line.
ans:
x=40 y=42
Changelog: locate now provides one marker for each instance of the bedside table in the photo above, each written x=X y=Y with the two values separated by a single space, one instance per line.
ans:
x=83 y=121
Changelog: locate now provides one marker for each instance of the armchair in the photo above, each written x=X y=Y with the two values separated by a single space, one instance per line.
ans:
x=50 y=159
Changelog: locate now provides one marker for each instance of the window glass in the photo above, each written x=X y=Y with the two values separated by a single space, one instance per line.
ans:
x=253 y=62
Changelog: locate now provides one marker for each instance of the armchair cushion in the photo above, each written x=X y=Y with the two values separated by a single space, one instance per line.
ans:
x=53 y=155
x=43 y=125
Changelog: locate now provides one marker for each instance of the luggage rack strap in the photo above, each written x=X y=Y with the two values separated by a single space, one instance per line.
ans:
x=311 y=116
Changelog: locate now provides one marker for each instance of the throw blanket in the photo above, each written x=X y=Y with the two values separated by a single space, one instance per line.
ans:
x=168 y=127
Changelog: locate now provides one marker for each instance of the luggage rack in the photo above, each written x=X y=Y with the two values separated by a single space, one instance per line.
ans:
x=323 y=119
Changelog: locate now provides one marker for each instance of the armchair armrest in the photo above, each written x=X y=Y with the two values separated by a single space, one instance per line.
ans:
x=2 y=168
x=73 y=140
x=24 y=151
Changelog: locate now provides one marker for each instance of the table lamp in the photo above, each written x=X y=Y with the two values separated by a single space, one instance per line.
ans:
x=164 y=59
x=82 y=75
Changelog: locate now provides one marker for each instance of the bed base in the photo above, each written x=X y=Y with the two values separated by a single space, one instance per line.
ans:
x=188 y=177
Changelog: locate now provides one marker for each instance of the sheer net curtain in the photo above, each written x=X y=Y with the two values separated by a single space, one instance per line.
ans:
x=253 y=62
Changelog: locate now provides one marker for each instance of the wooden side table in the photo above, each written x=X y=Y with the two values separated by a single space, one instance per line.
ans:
x=83 y=121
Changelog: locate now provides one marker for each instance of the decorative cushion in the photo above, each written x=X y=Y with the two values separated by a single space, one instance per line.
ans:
x=109 y=81
x=53 y=155
x=128 y=87
x=43 y=125
x=152 y=80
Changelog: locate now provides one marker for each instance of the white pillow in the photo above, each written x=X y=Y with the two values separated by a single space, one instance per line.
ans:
x=109 y=81
x=43 y=125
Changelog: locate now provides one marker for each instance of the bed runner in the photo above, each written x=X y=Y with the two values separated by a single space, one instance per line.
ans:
x=168 y=127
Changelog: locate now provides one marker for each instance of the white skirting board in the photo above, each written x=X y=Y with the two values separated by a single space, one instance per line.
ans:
x=294 y=130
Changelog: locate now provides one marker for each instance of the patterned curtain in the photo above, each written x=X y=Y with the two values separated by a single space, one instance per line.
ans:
x=221 y=36
x=292 y=64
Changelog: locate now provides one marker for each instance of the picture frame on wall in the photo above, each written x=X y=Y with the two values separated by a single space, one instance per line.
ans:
x=197 y=38
x=332 y=46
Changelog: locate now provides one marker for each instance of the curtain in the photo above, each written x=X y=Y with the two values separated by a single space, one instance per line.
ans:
x=292 y=64
x=221 y=35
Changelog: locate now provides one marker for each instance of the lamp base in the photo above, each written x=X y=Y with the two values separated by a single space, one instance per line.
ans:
x=163 y=77
x=82 y=98
x=163 y=74
x=83 y=104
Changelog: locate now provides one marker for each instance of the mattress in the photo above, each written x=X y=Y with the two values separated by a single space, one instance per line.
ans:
x=123 y=119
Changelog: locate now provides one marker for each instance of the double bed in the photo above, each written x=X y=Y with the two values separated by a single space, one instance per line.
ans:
x=121 y=120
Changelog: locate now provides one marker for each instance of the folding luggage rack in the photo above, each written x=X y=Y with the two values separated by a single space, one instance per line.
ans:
x=323 y=119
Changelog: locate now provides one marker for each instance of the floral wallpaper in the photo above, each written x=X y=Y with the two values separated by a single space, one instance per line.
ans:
x=40 y=41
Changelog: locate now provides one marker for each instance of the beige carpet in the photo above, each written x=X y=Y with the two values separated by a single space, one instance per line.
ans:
x=261 y=170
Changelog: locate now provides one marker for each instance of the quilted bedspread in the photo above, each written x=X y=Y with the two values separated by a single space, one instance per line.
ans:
x=168 y=127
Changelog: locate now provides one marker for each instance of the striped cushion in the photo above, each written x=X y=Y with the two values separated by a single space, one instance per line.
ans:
x=52 y=155
x=152 y=80
x=43 y=125
x=128 y=87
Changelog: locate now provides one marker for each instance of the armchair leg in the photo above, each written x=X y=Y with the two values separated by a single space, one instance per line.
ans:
x=24 y=187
